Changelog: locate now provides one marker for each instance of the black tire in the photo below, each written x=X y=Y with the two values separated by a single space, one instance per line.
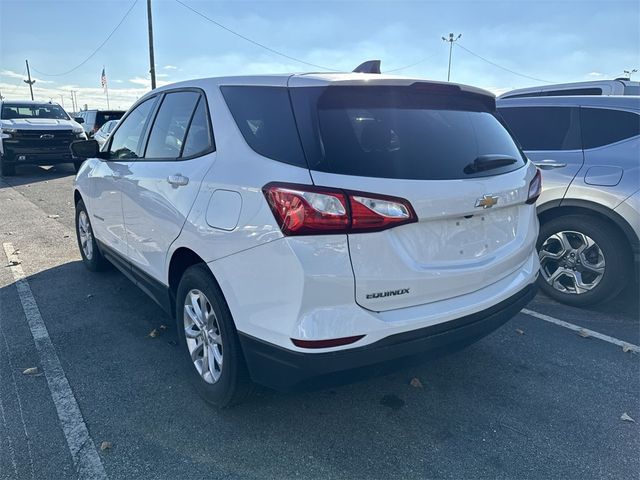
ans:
x=7 y=169
x=614 y=249
x=77 y=164
x=234 y=384
x=97 y=262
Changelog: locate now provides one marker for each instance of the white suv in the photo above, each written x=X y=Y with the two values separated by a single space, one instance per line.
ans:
x=301 y=228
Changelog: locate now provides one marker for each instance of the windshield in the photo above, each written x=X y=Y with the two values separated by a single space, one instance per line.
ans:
x=46 y=110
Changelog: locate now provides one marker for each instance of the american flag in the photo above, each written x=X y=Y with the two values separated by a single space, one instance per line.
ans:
x=103 y=79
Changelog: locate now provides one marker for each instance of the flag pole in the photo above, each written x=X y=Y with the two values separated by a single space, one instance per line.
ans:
x=105 y=85
x=106 y=91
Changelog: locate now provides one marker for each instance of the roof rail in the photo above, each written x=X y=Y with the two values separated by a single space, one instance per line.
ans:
x=370 y=66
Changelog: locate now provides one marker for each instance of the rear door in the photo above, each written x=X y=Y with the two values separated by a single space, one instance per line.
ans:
x=446 y=153
x=551 y=138
x=163 y=185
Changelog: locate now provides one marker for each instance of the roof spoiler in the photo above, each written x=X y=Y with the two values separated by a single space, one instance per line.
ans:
x=370 y=66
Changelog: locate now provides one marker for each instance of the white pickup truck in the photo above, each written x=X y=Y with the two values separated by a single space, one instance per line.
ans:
x=36 y=133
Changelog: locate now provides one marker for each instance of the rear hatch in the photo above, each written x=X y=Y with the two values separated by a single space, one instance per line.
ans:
x=440 y=147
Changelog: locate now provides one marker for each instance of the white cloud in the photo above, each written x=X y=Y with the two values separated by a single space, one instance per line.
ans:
x=170 y=67
x=12 y=74
x=595 y=74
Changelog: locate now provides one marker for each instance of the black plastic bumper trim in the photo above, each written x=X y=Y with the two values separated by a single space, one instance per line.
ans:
x=284 y=369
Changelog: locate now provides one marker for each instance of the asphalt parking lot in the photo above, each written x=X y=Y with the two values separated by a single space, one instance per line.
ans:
x=532 y=400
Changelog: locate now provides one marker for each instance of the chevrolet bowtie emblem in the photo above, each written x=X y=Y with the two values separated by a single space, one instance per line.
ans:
x=486 y=201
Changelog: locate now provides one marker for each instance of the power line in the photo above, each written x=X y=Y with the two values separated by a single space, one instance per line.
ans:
x=95 y=51
x=503 y=68
x=253 y=41
x=412 y=64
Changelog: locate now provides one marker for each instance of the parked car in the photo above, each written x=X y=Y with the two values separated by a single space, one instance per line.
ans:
x=94 y=119
x=103 y=132
x=619 y=86
x=35 y=133
x=303 y=228
x=588 y=149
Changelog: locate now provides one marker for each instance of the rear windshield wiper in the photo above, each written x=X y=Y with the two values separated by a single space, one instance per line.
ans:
x=489 y=162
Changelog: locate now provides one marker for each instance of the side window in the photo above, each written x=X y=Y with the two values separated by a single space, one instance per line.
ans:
x=544 y=128
x=126 y=141
x=170 y=125
x=602 y=127
x=199 y=136
x=265 y=119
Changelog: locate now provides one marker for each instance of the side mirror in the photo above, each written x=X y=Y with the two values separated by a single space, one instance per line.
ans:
x=79 y=120
x=85 y=149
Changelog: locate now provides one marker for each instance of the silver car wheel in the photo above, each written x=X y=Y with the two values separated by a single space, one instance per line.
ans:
x=571 y=262
x=86 y=235
x=203 y=335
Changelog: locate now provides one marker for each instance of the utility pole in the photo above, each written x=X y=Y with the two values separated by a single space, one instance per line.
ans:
x=62 y=100
x=73 y=102
x=30 y=82
x=1 y=97
x=152 y=63
x=452 y=39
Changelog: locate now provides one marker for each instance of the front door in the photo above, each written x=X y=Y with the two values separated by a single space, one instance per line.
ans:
x=113 y=175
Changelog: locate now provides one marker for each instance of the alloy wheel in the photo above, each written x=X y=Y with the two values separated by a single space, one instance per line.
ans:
x=571 y=262
x=86 y=235
x=203 y=335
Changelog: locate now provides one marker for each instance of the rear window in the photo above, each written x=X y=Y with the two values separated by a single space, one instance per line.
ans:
x=104 y=116
x=601 y=126
x=403 y=132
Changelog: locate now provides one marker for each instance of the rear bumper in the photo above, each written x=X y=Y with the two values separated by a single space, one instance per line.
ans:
x=285 y=369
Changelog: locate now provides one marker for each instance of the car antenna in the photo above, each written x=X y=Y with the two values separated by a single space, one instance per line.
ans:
x=370 y=66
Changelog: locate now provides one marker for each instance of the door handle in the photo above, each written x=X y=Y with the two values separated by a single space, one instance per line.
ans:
x=177 y=180
x=549 y=164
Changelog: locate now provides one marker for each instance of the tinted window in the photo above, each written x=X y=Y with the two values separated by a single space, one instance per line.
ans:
x=264 y=116
x=198 y=138
x=126 y=140
x=408 y=132
x=103 y=117
x=602 y=127
x=557 y=93
x=170 y=125
x=545 y=128
x=632 y=89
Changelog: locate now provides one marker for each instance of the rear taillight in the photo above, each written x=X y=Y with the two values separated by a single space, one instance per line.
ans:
x=310 y=210
x=535 y=187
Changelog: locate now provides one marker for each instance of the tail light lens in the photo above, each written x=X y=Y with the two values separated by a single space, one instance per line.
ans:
x=535 y=187
x=310 y=210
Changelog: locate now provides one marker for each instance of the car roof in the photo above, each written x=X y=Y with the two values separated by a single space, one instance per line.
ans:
x=618 y=101
x=314 y=80
x=27 y=102
x=570 y=86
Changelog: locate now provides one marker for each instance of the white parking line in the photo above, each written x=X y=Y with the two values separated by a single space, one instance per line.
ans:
x=591 y=333
x=83 y=451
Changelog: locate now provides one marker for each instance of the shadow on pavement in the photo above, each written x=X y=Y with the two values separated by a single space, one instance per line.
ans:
x=33 y=174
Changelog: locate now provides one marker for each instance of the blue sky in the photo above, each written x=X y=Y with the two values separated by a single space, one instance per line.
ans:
x=555 y=41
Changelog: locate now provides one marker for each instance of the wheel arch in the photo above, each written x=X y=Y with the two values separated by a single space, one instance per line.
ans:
x=558 y=208
x=181 y=259
x=77 y=196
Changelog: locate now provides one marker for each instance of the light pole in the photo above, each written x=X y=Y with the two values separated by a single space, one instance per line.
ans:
x=29 y=82
x=628 y=73
x=452 y=39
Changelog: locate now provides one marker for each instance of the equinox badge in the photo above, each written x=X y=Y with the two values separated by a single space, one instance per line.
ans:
x=389 y=293
x=486 y=201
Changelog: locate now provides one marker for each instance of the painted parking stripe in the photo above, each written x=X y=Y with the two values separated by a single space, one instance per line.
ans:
x=83 y=451
x=600 y=336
